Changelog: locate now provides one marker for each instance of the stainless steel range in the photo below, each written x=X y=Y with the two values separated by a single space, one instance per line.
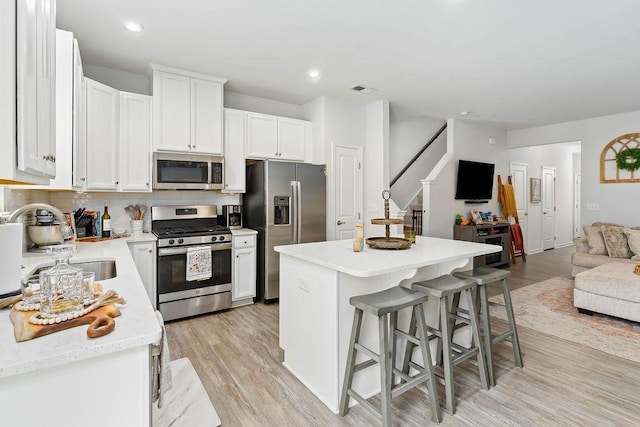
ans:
x=182 y=231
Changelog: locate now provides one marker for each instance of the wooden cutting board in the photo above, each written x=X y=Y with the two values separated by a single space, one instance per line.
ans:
x=101 y=239
x=100 y=320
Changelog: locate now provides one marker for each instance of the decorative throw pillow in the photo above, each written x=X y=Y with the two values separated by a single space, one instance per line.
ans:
x=616 y=242
x=595 y=240
x=633 y=239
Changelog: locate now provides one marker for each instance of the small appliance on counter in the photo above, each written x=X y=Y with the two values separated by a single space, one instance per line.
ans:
x=10 y=259
x=44 y=231
x=232 y=215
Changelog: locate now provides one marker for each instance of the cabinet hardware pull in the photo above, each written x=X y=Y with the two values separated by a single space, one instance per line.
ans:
x=340 y=222
x=83 y=179
x=149 y=250
x=117 y=182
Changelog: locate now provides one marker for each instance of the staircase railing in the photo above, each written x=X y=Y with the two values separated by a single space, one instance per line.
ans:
x=417 y=156
x=416 y=220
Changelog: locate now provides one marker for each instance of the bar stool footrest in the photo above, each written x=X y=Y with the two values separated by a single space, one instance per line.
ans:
x=365 y=403
x=364 y=365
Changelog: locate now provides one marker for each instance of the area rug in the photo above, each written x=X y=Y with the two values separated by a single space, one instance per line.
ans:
x=548 y=307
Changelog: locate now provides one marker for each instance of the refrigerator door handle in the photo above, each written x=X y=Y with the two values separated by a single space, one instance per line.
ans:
x=299 y=212
x=294 y=212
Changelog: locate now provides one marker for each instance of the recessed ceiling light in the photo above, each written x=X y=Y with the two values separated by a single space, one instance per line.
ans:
x=134 y=27
x=313 y=74
x=464 y=113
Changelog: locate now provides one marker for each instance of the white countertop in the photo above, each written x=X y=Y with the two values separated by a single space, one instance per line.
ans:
x=243 y=232
x=141 y=237
x=136 y=326
x=338 y=255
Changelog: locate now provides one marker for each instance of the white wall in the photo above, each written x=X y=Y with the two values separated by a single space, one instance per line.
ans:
x=470 y=142
x=376 y=166
x=617 y=202
x=561 y=157
x=261 y=105
x=407 y=137
x=314 y=111
x=341 y=123
x=118 y=79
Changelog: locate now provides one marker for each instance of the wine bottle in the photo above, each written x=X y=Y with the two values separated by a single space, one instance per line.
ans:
x=106 y=222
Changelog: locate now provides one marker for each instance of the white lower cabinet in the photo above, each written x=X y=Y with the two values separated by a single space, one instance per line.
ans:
x=144 y=256
x=244 y=269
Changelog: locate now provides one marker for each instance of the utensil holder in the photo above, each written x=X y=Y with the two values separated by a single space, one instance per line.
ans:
x=136 y=226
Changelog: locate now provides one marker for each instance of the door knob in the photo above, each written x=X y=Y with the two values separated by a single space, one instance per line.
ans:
x=340 y=222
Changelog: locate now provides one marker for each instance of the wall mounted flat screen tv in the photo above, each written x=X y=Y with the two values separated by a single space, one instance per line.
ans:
x=475 y=180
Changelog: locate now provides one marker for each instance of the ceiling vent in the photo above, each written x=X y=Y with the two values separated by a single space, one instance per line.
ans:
x=362 y=89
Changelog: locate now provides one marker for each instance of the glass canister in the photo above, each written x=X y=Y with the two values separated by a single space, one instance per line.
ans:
x=61 y=286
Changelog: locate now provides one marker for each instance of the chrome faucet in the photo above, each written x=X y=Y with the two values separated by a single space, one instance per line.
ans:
x=64 y=228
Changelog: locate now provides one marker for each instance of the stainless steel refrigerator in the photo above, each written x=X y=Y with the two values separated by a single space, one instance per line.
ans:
x=286 y=203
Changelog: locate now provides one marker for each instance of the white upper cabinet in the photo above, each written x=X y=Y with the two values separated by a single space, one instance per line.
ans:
x=172 y=112
x=135 y=142
x=206 y=117
x=234 y=140
x=64 y=110
x=118 y=139
x=262 y=136
x=291 y=138
x=79 y=162
x=187 y=111
x=36 y=65
x=273 y=137
x=102 y=121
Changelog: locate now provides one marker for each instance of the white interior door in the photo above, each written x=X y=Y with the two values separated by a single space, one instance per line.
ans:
x=548 y=207
x=348 y=190
x=519 y=178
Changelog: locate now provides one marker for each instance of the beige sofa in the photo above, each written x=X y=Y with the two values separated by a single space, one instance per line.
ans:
x=582 y=260
x=592 y=250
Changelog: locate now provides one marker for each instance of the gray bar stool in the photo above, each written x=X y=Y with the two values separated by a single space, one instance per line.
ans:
x=385 y=305
x=443 y=288
x=485 y=276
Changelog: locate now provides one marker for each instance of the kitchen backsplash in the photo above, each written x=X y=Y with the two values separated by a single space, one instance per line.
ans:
x=68 y=201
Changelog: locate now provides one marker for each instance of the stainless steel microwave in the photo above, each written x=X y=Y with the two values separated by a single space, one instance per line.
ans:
x=182 y=171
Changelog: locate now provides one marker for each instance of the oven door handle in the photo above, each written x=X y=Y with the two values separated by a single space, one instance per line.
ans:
x=183 y=250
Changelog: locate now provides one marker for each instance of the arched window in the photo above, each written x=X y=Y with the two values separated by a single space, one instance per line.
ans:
x=610 y=171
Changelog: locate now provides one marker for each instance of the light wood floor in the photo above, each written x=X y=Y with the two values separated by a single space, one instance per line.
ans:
x=563 y=384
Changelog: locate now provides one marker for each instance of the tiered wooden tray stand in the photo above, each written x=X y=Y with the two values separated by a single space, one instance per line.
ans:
x=387 y=242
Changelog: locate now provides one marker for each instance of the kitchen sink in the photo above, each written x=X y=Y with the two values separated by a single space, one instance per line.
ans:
x=102 y=269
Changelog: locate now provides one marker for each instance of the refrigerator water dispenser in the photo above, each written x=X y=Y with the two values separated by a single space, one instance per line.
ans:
x=281 y=210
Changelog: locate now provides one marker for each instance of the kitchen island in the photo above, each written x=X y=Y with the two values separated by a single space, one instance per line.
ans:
x=316 y=282
x=66 y=378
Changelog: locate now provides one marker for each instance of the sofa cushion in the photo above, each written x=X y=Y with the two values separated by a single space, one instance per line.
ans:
x=595 y=239
x=589 y=261
x=633 y=239
x=616 y=241
x=581 y=245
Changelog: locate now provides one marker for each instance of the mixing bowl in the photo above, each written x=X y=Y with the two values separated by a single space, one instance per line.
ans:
x=45 y=235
